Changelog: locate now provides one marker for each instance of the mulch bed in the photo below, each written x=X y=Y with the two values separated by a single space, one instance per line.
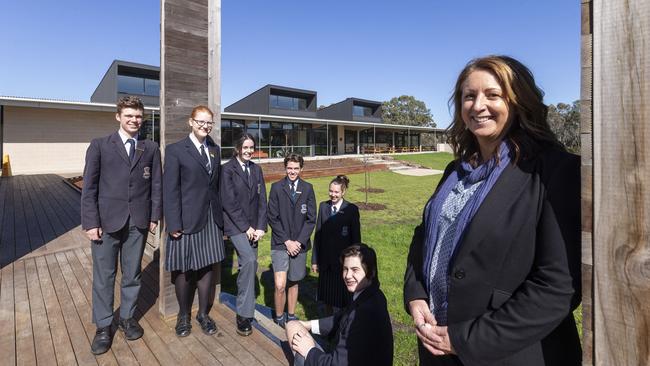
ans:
x=371 y=190
x=370 y=206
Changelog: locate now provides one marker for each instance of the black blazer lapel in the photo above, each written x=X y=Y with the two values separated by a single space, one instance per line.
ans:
x=191 y=149
x=213 y=155
x=504 y=193
x=240 y=171
x=139 y=151
x=118 y=145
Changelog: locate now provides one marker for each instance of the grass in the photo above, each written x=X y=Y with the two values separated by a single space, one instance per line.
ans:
x=434 y=160
x=389 y=232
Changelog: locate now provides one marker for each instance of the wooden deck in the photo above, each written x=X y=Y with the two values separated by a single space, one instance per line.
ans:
x=46 y=291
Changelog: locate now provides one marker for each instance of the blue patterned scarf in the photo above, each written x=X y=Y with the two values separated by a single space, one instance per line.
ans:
x=490 y=171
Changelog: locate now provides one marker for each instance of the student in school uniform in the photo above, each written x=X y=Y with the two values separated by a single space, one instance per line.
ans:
x=194 y=219
x=292 y=217
x=120 y=202
x=243 y=195
x=337 y=228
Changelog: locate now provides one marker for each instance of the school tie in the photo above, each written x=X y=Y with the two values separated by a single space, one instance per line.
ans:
x=206 y=161
x=131 y=143
x=248 y=173
x=333 y=210
x=293 y=192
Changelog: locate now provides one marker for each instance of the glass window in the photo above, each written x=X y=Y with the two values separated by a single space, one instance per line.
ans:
x=361 y=111
x=130 y=84
x=152 y=87
x=291 y=103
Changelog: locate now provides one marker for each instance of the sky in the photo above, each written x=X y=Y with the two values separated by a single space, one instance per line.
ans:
x=370 y=49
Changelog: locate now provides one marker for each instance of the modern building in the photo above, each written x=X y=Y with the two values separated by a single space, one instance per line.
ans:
x=51 y=136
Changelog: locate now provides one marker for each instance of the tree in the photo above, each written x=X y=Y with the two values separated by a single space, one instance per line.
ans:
x=564 y=120
x=406 y=110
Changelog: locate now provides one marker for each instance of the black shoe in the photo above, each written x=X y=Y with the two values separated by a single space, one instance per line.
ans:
x=207 y=324
x=244 y=326
x=132 y=330
x=280 y=320
x=183 y=325
x=102 y=341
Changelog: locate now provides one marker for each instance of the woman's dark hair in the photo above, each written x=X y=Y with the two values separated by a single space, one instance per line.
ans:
x=528 y=131
x=341 y=180
x=240 y=142
x=366 y=255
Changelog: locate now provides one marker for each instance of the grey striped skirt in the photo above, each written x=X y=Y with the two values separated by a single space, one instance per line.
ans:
x=192 y=252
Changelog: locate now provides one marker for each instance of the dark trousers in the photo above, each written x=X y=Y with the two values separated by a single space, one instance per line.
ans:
x=127 y=244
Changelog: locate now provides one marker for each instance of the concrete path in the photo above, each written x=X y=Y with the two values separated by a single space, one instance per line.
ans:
x=418 y=172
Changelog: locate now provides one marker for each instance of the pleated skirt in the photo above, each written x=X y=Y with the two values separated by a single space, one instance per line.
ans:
x=192 y=252
x=331 y=288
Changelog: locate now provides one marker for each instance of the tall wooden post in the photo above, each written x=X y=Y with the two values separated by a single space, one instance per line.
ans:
x=190 y=66
x=586 y=138
x=621 y=182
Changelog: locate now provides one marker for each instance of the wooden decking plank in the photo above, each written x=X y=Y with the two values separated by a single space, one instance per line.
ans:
x=53 y=217
x=3 y=191
x=180 y=353
x=47 y=232
x=21 y=235
x=60 y=338
x=31 y=221
x=145 y=355
x=7 y=318
x=252 y=343
x=7 y=242
x=55 y=212
x=67 y=205
x=25 y=351
x=72 y=197
x=80 y=342
x=149 y=293
x=42 y=338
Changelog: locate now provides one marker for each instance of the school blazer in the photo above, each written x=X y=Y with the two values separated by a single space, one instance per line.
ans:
x=289 y=220
x=515 y=276
x=335 y=233
x=189 y=190
x=362 y=333
x=114 y=189
x=244 y=205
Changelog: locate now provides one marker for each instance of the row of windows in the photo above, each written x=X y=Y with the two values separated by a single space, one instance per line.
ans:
x=290 y=103
x=361 y=111
x=138 y=85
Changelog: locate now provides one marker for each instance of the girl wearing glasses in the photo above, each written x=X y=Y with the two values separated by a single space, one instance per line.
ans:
x=193 y=213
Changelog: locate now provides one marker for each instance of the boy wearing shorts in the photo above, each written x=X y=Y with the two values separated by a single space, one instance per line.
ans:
x=292 y=216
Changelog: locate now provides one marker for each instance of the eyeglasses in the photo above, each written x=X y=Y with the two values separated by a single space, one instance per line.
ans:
x=203 y=123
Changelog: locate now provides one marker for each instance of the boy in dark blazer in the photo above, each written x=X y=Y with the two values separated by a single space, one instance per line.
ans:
x=120 y=203
x=292 y=216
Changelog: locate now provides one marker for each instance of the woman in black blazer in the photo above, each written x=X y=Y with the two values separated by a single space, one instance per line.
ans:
x=337 y=227
x=193 y=214
x=493 y=272
x=244 y=205
x=362 y=331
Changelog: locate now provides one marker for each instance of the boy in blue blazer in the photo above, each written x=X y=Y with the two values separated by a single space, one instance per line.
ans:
x=292 y=216
x=120 y=203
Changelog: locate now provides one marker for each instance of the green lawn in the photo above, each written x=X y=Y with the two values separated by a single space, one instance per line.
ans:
x=388 y=231
x=434 y=160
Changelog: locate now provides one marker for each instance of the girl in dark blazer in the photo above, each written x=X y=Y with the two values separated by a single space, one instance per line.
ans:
x=362 y=331
x=337 y=227
x=244 y=205
x=493 y=272
x=194 y=218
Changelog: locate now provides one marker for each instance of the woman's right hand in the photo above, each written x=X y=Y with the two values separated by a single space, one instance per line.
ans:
x=250 y=233
x=314 y=268
x=424 y=322
x=176 y=234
